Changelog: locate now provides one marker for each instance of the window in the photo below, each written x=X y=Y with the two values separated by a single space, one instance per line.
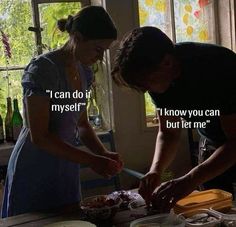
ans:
x=46 y=14
x=15 y=18
x=181 y=20
x=30 y=26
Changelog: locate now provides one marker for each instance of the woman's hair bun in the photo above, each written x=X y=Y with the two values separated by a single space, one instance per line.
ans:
x=65 y=24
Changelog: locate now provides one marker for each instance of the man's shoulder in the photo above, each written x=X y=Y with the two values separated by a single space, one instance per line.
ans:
x=203 y=48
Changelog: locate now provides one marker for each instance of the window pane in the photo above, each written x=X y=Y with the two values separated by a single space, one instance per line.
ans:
x=52 y=38
x=15 y=18
x=154 y=13
x=194 y=20
x=102 y=93
x=150 y=108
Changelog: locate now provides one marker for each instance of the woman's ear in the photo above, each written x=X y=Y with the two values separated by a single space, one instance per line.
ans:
x=78 y=37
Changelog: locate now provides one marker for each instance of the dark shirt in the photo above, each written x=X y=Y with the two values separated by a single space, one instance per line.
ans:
x=207 y=82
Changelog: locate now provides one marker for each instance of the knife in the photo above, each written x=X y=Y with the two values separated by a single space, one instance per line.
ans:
x=134 y=173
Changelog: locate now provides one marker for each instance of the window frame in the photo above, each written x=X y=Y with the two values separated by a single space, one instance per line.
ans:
x=37 y=29
x=36 y=18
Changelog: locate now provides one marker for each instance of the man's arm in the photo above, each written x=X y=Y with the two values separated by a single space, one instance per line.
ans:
x=223 y=158
x=167 y=143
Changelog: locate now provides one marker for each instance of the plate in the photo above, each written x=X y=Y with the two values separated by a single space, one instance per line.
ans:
x=71 y=224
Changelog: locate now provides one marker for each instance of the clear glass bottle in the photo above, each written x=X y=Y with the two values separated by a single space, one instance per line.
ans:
x=93 y=113
x=17 y=121
x=8 y=123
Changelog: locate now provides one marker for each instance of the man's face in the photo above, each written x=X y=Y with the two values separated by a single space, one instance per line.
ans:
x=160 y=79
x=157 y=82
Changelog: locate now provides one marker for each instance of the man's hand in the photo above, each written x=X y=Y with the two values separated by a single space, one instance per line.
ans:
x=148 y=184
x=166 y=195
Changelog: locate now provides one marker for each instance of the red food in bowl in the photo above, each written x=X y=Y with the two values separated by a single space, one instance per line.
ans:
x=100 y=207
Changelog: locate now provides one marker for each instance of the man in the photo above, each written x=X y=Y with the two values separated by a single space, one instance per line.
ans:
x=190 y=81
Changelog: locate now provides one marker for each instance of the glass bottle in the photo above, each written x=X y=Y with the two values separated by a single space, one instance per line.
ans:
x=17 y=121
x=8 y=124
x=1 y=130
x=93 y=113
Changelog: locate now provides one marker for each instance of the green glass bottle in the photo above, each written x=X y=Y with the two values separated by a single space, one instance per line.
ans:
x=17 y=121
x=1 y=130
x=8 y=124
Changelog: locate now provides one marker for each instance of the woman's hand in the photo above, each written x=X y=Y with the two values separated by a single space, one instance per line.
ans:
x=166 y=195
x=105 y=166
x=148 y=184
x=114 y=156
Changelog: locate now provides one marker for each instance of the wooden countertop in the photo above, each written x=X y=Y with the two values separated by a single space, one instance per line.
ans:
x=121 y=219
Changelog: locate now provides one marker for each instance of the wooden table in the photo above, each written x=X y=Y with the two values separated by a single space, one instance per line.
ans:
x=121 y=219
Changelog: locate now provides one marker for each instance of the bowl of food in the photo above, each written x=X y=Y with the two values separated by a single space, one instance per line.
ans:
x=202 y=218
x=100 y=207
x=127 y=197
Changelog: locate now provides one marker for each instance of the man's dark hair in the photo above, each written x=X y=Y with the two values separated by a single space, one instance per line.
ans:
x=140 y=53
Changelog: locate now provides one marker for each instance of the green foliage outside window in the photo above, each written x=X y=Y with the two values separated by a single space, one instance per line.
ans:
x=52 y=38
x=150 y=108
x=15 y=18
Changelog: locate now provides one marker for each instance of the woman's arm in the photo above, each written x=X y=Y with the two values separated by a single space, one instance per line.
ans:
x=88 y=136
x=90 y=139
x=38 y=118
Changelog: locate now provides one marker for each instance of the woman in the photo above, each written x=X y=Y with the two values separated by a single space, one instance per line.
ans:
x=43 y=170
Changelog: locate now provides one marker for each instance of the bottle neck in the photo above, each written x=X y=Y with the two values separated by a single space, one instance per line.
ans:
x=9 y=107
x=93 y=108
x=15 y=103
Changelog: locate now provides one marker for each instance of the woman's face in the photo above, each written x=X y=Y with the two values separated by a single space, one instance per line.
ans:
x=89 y=52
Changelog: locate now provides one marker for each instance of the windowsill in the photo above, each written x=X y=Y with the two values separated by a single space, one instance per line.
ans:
x=151 y=124
x=151 y=121
x=6 y=146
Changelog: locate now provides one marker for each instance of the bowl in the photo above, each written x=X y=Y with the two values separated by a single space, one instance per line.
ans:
x=127 y=198
x=228 y=217
x=100 y=207
x=159 y=220
x=202 y=218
